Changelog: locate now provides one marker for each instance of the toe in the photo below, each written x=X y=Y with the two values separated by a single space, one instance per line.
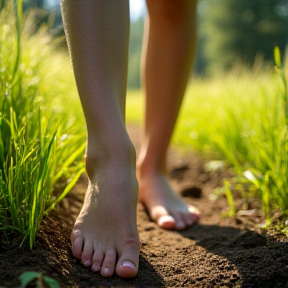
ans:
x=166 y=222
x=180 y=225
x=127 y=265
x=161 y=216
x=188 y=218
x=77 y=244
x=97 y=260
x=180 y=222
x=86 y=257
x=195 y=212
x=185 y=218
x=108 y=266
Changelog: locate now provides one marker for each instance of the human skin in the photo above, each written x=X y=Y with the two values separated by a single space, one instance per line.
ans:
x=167 y=58
x=105 y=235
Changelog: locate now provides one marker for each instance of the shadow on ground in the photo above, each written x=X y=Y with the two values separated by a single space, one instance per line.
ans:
x=240 y=256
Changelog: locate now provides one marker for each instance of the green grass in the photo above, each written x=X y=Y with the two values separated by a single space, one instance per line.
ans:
x=40 y=144
x=239 y=117
x=135 y=106
x=41 y=281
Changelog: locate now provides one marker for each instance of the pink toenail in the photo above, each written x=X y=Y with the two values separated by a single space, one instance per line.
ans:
x=196 y=217
x=106 y=271
x=86 y=263
x=95 y=268
x=128 y=264
x=180 y=225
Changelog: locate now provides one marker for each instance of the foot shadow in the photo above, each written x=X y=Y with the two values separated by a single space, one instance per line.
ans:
x=240 y=257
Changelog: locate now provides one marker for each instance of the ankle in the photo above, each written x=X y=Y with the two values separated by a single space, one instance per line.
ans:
x=147 y=169
x=100 y=156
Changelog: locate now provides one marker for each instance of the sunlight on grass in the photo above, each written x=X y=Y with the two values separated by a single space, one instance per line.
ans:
x=42 y=139
x=135 y=106
x=239 y=117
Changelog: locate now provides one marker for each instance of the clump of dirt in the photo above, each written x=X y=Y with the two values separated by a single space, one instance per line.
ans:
x=216 y=252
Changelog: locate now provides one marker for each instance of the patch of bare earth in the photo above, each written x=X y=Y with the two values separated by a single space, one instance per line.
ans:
x=217 y=252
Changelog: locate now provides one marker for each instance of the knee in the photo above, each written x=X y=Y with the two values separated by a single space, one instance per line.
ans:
x=172 y=10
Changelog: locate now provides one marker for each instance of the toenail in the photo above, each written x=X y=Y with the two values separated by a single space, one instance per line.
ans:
x=86 y=263
x=129 y=264
x=106 y=271
x=95 y=268
x=180 y=225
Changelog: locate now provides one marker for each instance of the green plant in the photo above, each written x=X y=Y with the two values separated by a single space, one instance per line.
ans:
x=40 y=280
x=230 y=199
x=39 y=143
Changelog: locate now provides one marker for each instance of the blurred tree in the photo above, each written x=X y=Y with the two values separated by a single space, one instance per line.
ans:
x=28 y=4
x=45 y=13
x=243 y=29
x=200 y=59
x=2 y=4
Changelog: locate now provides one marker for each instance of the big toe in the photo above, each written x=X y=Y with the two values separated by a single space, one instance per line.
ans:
x=166 y=222
x=163 y=218
x=127 y=265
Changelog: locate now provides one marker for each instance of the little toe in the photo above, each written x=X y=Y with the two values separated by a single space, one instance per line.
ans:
x=195 y=212
x=127 y=265
x=109 y=263
x=77 y=244
x=86 y=257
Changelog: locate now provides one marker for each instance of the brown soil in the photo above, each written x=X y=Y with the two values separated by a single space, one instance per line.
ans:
x=217 y=252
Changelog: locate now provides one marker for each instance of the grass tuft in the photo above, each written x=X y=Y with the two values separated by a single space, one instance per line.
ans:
x=40 y=145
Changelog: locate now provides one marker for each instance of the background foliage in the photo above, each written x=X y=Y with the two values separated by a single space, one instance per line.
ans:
x=228 y=32
x=242 y=30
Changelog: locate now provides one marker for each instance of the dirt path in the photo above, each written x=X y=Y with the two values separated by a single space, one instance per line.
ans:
x=217 y=252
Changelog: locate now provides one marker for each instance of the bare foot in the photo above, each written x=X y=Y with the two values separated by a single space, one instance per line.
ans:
x=105 y=234
x=165 y=207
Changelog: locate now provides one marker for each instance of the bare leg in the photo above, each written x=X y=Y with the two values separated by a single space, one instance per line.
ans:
x=105 y=233
x=168 y=55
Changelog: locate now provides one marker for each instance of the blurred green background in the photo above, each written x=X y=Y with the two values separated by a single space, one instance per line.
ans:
x=229 y=32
